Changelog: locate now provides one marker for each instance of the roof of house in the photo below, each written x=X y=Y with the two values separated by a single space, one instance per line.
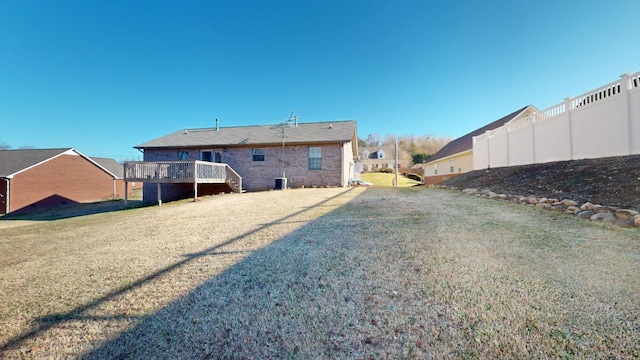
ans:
x=113 y=166
x=16 y=161
x=13 y=161
x=318 y=132
x=374 y=150
x=465 y=142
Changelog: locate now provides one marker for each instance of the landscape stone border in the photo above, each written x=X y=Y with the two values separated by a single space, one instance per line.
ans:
x=594 y=212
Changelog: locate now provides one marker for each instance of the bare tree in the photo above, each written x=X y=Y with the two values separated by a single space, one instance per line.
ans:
x=4 y=146
x=374 y=140
x=412 y=149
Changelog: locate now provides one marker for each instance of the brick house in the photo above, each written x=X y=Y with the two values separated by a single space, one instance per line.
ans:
x=34 y=179
x=257 y=158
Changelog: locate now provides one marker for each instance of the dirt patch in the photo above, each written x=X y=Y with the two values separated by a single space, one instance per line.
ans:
x=613 y=181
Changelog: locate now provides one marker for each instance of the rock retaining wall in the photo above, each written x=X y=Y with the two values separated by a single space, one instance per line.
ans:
x=589 y=211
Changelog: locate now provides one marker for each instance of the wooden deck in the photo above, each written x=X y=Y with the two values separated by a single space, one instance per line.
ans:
x=172 y=172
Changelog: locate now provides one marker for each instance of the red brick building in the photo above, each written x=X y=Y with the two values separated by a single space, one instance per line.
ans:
x=316 y=154
x=34 y=179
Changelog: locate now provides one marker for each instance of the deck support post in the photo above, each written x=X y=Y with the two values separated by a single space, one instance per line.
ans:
x=159 y=194
x=195 y=191
x=126 y=193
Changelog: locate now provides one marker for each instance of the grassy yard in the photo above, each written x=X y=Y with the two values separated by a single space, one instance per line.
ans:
x=321 y=273
x=384 y=179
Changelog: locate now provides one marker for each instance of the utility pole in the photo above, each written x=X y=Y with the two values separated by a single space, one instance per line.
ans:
x=397 y=162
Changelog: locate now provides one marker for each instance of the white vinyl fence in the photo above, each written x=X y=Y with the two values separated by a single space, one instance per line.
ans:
x=600 y=123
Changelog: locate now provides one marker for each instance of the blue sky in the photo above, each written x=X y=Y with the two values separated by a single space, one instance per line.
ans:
x=104 y=76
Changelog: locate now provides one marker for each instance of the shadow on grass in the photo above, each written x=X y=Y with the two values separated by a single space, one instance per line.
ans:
x=73 y=210
x=142 y=340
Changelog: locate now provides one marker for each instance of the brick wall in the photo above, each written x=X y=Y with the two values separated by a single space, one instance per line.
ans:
x=65 y=179
x=430 y=180
x=3 y=197
x=260 y=175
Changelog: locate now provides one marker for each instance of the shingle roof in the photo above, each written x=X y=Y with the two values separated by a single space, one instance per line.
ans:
x=465 y=142
x=111 y=165
x=319 y=132
x=13 y=161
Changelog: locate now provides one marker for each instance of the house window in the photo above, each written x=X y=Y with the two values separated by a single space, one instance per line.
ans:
x=435 y=169
x=258 y=154
x=315 y=158
x=211 y=156
x=451 y=166
x=183 y=155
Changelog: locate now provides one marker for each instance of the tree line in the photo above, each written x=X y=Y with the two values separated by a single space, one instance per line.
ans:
x=5 y=146
x=412 y=149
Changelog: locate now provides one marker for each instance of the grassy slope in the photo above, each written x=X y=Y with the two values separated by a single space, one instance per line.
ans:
x=384 y=179
x=371 y=272
x=609 y=181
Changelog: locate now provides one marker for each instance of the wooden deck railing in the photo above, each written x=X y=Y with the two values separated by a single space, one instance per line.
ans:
x=182 y=172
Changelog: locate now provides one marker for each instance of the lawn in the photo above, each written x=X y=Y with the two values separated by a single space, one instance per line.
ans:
x=384 y=179
x=375 y=272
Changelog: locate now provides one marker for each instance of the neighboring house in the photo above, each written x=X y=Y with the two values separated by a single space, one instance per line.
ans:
x=599 y=123
x=117 y=169
x=34 y=179
x=257 y=157
x=377 y=158
x=457 y=156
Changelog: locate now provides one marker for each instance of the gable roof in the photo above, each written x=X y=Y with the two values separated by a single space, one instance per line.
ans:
x=318 y=132
x=465 y=142
x=13 y=162
x=373 y=151
x=111 y=165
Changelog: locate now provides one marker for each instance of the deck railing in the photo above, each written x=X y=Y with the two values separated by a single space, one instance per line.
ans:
x=181 y=172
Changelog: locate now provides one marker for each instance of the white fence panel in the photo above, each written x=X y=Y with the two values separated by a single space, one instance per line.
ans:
x=600 y=123
x=521 y=146
x=498 y=149
x=634 y=114
x=600 y=130
x=553 y=139
x=481 y=156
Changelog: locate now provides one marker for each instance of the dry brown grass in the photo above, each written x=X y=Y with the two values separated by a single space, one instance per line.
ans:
x=321 y=273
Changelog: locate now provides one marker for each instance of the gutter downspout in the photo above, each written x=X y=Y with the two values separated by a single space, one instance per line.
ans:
x=8 y=180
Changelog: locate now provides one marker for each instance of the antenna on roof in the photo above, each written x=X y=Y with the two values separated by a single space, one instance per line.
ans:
x=294 y=118
x=285 y=125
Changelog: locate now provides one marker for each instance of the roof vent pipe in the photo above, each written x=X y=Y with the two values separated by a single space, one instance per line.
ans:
x=217 y=125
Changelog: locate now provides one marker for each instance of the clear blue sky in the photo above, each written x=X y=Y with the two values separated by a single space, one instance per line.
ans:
x=104 y=76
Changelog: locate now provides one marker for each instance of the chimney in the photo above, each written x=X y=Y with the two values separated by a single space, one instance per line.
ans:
x=296 y=121
x=217 y=125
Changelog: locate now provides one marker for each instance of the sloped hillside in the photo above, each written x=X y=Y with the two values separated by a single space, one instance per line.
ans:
x=613 y=181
